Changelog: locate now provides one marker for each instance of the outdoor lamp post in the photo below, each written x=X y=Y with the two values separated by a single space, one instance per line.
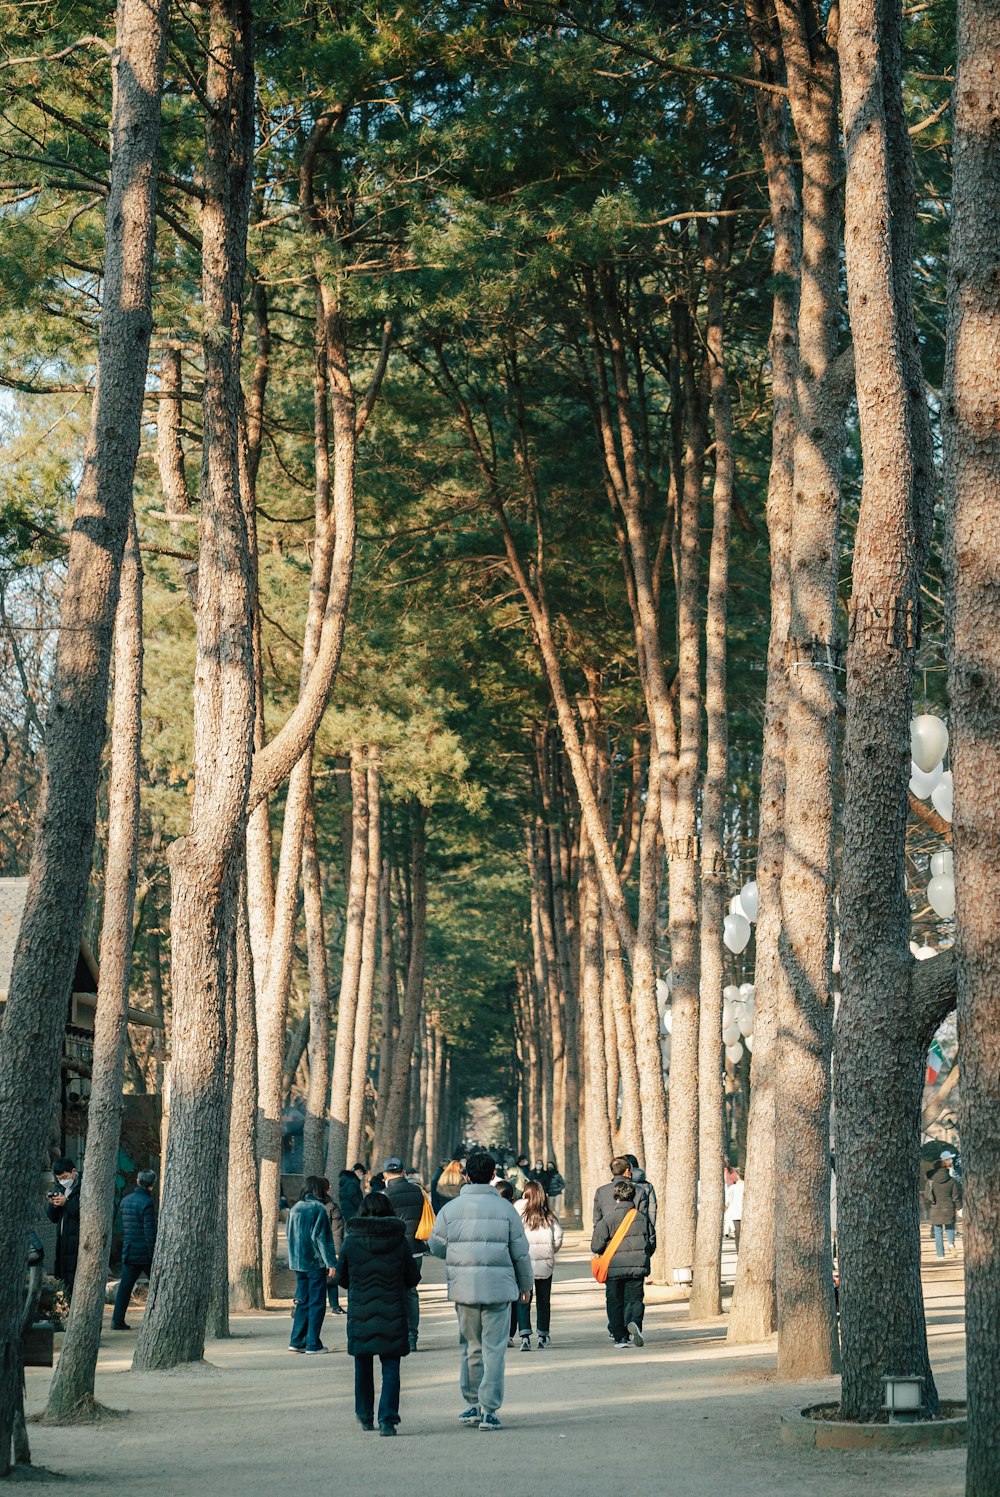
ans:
x=683 y=1277
x=904 y=1398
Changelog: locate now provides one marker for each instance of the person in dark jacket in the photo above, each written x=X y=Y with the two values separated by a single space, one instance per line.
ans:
x=138 y=1242
x=604 y=1196
x=378 y=1270
x=351 y=1191
x=629 y=1266
x=944 y=1199
x=62 y=1206
x=447 y=1183
x=312 y=1258
x=407 y=1201
x=336 y=1217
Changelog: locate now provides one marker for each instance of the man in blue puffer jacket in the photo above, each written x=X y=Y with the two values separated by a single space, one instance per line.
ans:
x=481 y=1239
x=312 y=1257
x=139 y=1241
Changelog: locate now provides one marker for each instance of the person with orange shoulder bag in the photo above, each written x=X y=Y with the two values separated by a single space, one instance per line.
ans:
x=624 y=1241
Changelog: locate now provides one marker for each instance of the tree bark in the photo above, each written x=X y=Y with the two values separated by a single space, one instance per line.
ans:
x=71 y=1393
x=356 y=1139
x=390 y=1002
x=347 y=1003
x=246 y=1281
x=314 y=1133
x=49 y=939
x=880 y=1048
x=972 y=483
x=205 y=864
x=753 y=1313
x=807 y=1344
x=706 y=1288
x=393 y=1138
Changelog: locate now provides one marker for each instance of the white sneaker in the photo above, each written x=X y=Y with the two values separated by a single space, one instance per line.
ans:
x=635 y=1333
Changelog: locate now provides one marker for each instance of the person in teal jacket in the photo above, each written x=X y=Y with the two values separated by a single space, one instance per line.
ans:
x=312 y=1257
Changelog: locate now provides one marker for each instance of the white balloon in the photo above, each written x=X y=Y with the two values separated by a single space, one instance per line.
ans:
x=747 y=1008
x=662 y=993
x=731 y=1034
x=922 y=784
x=942 y=798
x=736 y=933
x=924 y=953
x=750 y=899
x=928 y=741
x=734 y=1053
x=735 y=908
x=942 y=862
x=731 y=993
x=745 y=1021
x=747 y=991
x=941 y=895
x=728 y=1015
x=748 y=1041
x=668 y=1019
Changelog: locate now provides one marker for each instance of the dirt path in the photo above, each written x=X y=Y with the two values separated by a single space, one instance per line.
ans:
x=684 y=1417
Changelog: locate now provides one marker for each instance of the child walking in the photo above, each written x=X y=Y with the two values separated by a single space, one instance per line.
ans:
x=628 y=1268
x=377 y=1268
x=545 y=1238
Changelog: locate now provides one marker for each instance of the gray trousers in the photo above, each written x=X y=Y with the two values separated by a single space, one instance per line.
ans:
x=483 y=1331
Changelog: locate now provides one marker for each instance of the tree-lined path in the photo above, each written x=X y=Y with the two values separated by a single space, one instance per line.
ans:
x=685 y=1415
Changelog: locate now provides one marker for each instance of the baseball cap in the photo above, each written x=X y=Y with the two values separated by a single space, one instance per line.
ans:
x=392 y=1165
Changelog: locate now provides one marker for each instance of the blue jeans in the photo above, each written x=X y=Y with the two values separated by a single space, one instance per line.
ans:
x=939 y=1232
x=364 y=1390
x=310 y=1308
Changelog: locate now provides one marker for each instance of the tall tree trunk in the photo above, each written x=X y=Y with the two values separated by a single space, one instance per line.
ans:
x=314 y=1132
x=246 y=1282
x=356 y=1139
x=390 y=1002
x=72 y=1390
x=347 y=1003
x=706 y=1288
x=880 y=1061
x=49 y=939
x=395 y=1117
x=972 y=484
x=205 y=865
x=679 y=1204
x=807 y=1345
x=753 y=1313
x=596 y=1146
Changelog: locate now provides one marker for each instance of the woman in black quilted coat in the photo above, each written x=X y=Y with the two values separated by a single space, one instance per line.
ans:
x=376 y=1268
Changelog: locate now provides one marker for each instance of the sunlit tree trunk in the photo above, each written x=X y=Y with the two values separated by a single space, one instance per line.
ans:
x=356 y=1140
x=347 y=1003
x=71 y=1393
x=246 y=1283
x=205 y=864
x=972 y=490
x=314 y=1132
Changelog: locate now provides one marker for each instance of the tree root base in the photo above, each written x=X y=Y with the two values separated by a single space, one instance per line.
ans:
x=87 y=1411
x=818 y=1428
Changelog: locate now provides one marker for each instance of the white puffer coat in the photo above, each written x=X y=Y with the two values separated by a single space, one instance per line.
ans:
x=481 y=1239
x=543 y=1244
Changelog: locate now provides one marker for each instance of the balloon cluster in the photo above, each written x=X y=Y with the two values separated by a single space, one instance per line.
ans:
x=737 y=1020
x=743 y=909
x=928 y=746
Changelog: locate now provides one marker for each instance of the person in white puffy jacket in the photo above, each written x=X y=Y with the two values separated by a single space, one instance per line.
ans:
x=545 y=1238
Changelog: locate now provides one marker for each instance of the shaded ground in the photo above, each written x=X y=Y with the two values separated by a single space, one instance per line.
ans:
x=685 y=1416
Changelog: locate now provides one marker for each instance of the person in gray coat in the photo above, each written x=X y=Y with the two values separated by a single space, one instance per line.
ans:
x=481 y=1239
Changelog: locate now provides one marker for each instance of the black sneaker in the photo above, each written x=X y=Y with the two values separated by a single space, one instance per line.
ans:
x=635 y=1333
x=367 y=1424
x=386 y=1429
x=489 y=1422
x=620 y=1344
x=525 y=1343
x=471 y=1415
x=544 y=1340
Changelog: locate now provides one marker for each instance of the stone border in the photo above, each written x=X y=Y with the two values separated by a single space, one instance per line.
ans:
x=800 y=1428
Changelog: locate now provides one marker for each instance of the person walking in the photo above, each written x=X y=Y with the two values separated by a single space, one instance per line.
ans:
x=447 y=1183
x=138 y=1243
x=944 y=1199
x=604 y=1196
x=734 y=1201
x=554 y=1186
x=481 y=1239
x=312 y=1257
x=407 y=1200
x=378 y=1271
x=545 y=1238
x=351 y=1190
x=336 y=1217
x=519 y=1175
x=630 y=1265
x=62 y=1206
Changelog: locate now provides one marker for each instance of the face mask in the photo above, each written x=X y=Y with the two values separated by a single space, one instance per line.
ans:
x=64 y=1184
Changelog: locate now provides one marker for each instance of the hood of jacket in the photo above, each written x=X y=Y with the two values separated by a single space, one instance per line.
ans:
x=380 y=1234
